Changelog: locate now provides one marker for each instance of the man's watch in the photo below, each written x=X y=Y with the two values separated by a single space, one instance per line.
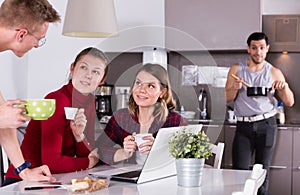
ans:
x=23 y=166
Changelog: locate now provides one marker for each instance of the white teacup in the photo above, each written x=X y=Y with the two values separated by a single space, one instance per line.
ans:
x=70 y=112
x=139 y=138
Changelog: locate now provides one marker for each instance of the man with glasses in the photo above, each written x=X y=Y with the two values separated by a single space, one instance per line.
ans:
x=23 y=25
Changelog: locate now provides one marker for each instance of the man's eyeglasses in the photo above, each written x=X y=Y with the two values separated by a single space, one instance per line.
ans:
x=41 y=41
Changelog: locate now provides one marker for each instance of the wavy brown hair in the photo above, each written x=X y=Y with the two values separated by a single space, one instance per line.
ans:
x=164 y=104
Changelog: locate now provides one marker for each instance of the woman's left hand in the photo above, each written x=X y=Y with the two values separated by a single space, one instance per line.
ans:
x=146 y=146
x=78 y=125
x=129 y=145
x=93 y=158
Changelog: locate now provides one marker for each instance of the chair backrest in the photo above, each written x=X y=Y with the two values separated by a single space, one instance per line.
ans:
x=259 y=175
x=3 y=164
x=256 y=180
x=4 y=160
x=218 y=151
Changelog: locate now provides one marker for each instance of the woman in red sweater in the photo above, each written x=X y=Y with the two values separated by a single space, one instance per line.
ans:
x=67 y=145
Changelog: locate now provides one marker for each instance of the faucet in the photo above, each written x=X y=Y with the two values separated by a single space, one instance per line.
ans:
x=202 y=98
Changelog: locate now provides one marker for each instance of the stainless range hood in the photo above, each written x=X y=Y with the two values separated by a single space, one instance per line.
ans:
x=283 y=32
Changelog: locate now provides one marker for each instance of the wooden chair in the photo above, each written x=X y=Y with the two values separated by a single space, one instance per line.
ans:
x=217 y=150
x=256 y=180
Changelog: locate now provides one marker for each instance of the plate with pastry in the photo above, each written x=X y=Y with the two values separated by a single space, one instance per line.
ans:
x=87 y=185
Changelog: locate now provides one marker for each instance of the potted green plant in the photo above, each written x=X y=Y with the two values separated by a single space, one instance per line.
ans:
x=190 y=151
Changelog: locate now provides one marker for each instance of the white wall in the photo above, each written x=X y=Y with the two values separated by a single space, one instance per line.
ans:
x=46 y=68
x=43 y=69
x=13 y=79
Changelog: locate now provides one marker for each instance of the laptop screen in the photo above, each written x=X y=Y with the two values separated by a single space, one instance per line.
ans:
x=159 y=163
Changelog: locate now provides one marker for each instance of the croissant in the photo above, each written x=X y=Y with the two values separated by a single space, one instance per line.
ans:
x=87 y=184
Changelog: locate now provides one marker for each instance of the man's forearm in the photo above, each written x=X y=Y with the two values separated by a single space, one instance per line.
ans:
x=287 y=96
x=230 y=94
x=9 y=141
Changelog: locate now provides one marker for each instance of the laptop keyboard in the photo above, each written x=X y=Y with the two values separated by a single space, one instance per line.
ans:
x=130 y=174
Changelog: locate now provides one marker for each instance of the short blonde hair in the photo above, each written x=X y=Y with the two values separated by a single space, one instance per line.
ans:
x=29 y=14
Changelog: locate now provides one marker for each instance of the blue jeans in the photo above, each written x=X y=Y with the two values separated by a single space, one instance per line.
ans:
x=257 y=138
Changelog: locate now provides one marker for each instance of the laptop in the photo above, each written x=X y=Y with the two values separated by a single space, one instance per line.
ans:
x=159 y=163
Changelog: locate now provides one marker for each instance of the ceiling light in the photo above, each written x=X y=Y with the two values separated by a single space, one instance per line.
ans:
x=90 y=18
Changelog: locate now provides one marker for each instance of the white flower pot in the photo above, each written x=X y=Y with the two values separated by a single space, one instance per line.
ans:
x=189 y=171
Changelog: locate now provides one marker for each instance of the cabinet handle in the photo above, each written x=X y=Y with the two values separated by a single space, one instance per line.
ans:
x=298 y=168
x=278 y=167
x=211 y=125
x=282 y=128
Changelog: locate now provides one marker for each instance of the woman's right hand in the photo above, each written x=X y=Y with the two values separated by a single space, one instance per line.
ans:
x=129 y=145
x=78 y=125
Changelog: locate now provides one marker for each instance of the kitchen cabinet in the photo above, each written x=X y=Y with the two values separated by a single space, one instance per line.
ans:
x=280 y=168
x=285 y=164
x=296 y=162
x=229 y=131
x=216 y=134
x=283 y=32
x=211 y=25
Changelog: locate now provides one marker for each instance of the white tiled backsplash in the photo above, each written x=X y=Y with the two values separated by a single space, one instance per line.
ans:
x=213 y=75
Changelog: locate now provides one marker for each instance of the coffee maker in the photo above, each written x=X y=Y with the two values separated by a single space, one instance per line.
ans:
x=103 y=100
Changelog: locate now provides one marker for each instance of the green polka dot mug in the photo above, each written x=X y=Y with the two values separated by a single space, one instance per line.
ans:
x=39 y=109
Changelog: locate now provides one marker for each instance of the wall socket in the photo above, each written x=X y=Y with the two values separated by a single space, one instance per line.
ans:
x=120 y=90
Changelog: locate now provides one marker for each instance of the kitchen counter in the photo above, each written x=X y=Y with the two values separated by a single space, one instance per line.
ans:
x=204 y=121
x=225 y=122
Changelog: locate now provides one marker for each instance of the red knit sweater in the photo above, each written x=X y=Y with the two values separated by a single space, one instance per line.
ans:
x=51 y=142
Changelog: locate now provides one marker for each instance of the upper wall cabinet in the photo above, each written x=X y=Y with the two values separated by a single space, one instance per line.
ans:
x=211 y=25
x=283 y=32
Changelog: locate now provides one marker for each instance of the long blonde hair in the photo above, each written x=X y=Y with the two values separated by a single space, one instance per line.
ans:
x=163 y=104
